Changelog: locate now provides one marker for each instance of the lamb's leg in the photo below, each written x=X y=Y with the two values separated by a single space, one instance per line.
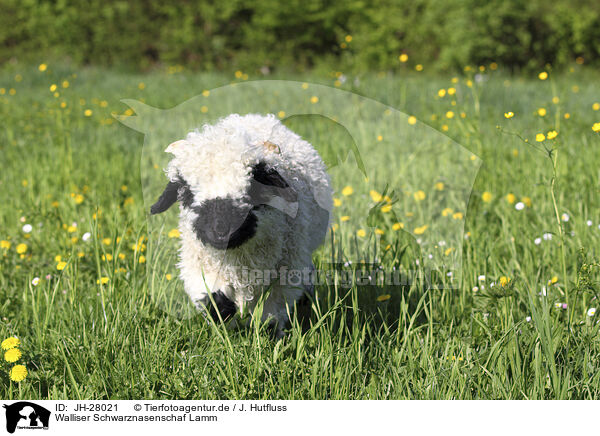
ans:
x=222 y=306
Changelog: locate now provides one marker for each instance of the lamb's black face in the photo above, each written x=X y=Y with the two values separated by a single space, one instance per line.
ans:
x=226 y=222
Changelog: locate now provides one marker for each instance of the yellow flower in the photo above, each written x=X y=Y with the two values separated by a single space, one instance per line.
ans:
x=511 y=198
x=174 y=233
x=61 y=265
x=5 y=244
x=448 y=251
x=204 y=109
x=412 y=120
x=12 y=355
x=314 y=99
x=397 y=226
x=103 y=280
x=337 y=202
x=439 y=186
x=379 y=138
x=379 y=232
x=108 y=257
x=387 y=208
x=345 y=218
x=43 y=67
x=540 y=137
x=419 y=195
x=486 y=196
x=375 y=196
x=53 y=87
x=457 y=215
x=18 y=373
x=527 y=201
x=596 y=106
x=596 y=127
x=347 y=191
x=21 y=248
x=419 y=67
x=403 y=57
x=361 y=233
x=555 y=100
x=541 y=112
x=87 y=112
x=552 y=134
x=543 y=75
x=142 y=259
x=449 y=114
x=504 y=281
x=442 y=92
x=509 y=114
x=281 y=114
x=420 y=230
x=168 y=276
x=567 y=115
x=78 y=199
x=9 y=343
x=553 y=280
x=384 y=297
x=451 y=91
x=447 y=211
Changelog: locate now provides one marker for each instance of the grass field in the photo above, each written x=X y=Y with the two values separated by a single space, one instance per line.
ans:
x=519 y=324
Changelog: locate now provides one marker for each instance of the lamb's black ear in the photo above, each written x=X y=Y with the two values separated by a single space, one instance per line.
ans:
x=270 y=177
x=166 y=199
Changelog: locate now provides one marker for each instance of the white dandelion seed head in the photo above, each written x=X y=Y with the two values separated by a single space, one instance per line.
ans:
x=547 y=236
x=520 y=205
x=528 y=318
x=544 y=291
x=27 y=228
x=430 y=256
x=86 y=236
x=537 y=241
x=589 y=223
x=442 y=243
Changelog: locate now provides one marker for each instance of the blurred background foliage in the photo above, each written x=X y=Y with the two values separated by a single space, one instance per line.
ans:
x=301 y=34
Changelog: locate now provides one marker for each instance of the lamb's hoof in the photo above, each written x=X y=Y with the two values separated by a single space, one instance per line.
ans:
x=225 y=307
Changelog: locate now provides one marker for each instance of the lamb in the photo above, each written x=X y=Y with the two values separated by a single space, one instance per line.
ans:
x=255 y=201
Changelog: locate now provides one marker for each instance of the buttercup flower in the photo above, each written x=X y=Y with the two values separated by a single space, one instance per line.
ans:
x=12 y=355
x=18 y=373
x=9 y=343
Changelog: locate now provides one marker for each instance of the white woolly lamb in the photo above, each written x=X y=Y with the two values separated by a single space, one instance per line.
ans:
x=255 y=200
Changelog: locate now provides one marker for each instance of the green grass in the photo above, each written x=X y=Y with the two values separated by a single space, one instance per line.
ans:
x=127 y=338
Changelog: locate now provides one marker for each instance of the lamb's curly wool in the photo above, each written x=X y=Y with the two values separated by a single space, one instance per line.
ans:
x=217 y=162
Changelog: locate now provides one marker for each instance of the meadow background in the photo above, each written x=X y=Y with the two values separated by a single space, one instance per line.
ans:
x=516 y=87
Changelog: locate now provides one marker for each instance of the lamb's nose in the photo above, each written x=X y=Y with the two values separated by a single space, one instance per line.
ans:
x=221 y=229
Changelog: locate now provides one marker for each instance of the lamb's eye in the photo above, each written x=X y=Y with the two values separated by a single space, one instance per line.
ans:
x=184 y=193
x=267 y=183
x=268 y=176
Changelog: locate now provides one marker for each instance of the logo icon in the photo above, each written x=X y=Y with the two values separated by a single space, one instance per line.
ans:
x=26 y=415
